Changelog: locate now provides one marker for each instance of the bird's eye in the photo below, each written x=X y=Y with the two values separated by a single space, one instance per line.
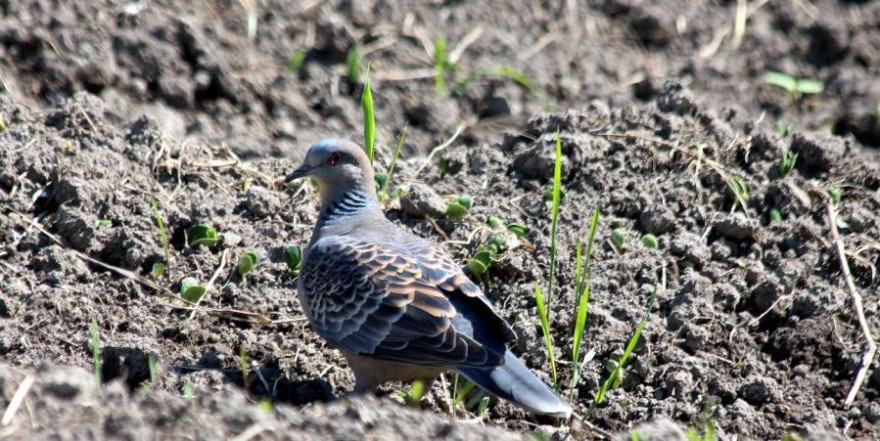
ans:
x=335 y=158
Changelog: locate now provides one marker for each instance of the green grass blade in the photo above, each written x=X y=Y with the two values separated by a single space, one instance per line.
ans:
x=400 y=139
x=582 y=285
x=554 y=221
x=545 y=328
x=441 y=62
x=369 y=117
x=613 y=380
x=809 y=86
x=353 y=62
x=161 y=224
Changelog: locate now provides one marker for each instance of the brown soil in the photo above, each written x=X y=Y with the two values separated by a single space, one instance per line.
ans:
x=107 y=106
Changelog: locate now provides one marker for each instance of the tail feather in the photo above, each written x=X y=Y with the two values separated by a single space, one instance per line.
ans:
x=514 y=382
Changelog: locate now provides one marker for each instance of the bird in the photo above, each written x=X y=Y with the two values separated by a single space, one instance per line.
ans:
x=396 y=305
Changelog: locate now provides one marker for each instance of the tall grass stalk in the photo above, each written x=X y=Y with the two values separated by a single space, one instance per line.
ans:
x=582 y=300
x=400 y=139
x=545 y=328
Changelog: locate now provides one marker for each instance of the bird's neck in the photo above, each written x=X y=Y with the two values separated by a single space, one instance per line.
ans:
x=346 y=204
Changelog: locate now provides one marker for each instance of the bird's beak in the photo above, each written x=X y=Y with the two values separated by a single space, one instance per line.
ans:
x=303 y=170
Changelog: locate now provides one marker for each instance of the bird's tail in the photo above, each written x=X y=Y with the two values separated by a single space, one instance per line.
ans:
x=514 y=382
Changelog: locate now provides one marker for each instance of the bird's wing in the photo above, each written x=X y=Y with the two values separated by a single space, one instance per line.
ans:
x=374 y=299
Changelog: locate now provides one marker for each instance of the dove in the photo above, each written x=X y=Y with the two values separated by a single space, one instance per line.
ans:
x=396 y=305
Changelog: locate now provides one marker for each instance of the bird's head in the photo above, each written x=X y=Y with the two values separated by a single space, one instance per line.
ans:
x=338 y=166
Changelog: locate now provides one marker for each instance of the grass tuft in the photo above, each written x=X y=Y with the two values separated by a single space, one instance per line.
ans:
x=794 y=86
x=159 y=267
x=786 y=164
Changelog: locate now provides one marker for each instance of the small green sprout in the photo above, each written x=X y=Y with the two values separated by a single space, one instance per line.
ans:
x=202 y=234
x=786 y=163
x=708 y=434
x=293 y=259
x=618 y=239
x=189 y=391
x=613 y=380
x=417 y=389
x=247 y=262
x=440 y=62
x=191 y=290
x=782 y=130
x=775 y=215
x=650 y=241
x=246 y=184
x=297 y=60
x=159 y=267
x=496 y=223
x=480 y=263
x=2 y=123
x=836 y=194
x=153 y=366
x=545 y=329
x=353 y=62
x=104 y=223
x=95 y=343
x=460 y=207
x=794 y=86
x=397 y=148
x=381 y=179
x=518 y=229
x=369 y=117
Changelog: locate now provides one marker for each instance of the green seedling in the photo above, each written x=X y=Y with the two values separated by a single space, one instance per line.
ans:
x=244 y=366
x=554 y=216
x=202 y=235
x=650 y=241
x=794 y=86
x=293 y=259
x=159 y=267
x=613 y=380
x=495 y=223
x=440 y=61
x=442 y=65
x=548 y=195
x=582 y=299
x=2 y=124
x=353 y=62
x=246 y=184
x=95 y=343
x=417 y=389
x=518 y=229
x=104 y=223
x=792 y=436
x=460 y=207
x=480 y=263
x=369 y=117
x=782 y=130
x=775 y=215
x=247 y=262
x=191 y=290
x=381 y=179
x=740 y=192
x=618 y=239
x=545 y=329
x=786 y=163
x=153 y=366
x=297 y=60
x=835 y=194
x=522 y=80
x=189 y=391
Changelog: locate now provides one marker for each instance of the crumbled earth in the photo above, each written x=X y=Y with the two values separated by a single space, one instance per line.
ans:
x=107 y=107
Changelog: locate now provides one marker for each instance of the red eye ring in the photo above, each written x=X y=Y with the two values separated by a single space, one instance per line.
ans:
x=335 y=158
